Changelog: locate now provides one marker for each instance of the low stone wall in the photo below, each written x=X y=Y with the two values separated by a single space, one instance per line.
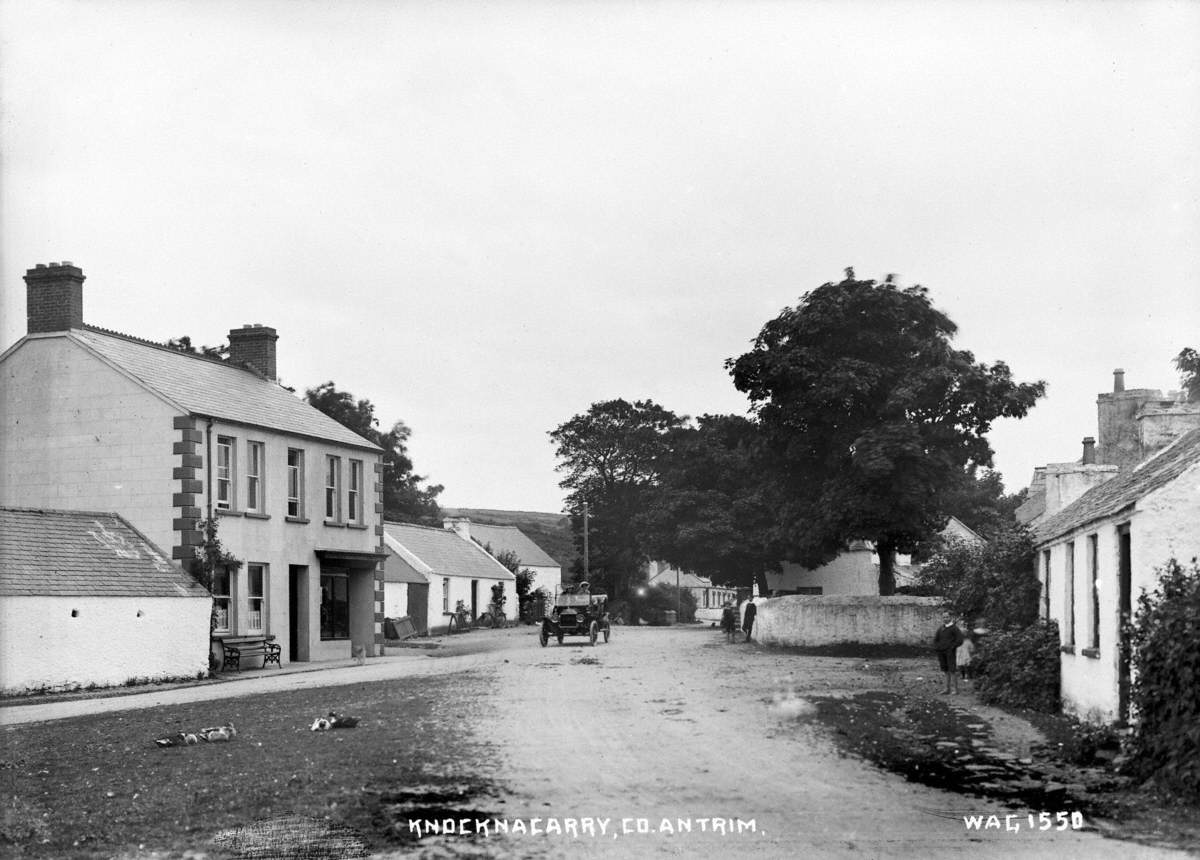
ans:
x=874 y=620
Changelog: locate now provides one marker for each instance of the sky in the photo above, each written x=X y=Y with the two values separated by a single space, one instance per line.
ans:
x=484 y=217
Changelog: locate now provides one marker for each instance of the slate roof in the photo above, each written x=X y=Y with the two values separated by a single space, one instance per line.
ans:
x=1124 y=490
x=402 y=565
x=52 y=553
x=686 y=580
x=441 y=552
x=502 y=538
x=204 y=386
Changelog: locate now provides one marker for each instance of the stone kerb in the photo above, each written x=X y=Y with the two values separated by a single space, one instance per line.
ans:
x=869 y=619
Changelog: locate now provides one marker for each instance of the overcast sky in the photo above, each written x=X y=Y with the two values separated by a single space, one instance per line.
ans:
x=486 y=217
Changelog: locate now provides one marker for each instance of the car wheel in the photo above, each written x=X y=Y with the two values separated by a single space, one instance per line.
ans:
x=544 y=637
x=560 y=638
x=593 y=631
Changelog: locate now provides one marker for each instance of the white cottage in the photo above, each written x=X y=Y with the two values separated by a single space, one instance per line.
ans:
x=710 y=599
x=856 y=569
x=454 y=570
x=87 y=599
x=498 y=539
x=1097 y=554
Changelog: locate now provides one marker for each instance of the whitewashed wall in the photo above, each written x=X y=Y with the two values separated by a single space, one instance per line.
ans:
x=460 y=589
x=869 y=620
x=109 y=641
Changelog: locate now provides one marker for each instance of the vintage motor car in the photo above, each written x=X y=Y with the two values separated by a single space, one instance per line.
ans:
x=576 y=612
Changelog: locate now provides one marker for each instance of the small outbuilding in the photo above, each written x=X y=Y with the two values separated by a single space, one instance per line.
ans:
x=86 y=599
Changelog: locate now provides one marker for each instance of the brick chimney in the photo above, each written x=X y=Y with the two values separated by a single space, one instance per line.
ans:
x=1118 y=380
x=1089 y=451
x=254 y=345
x=54 y=297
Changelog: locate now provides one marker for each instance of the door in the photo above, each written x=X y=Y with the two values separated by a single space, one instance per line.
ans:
x=418 y=607
x=297 y=590
x=474 y=599
x=1124 y=604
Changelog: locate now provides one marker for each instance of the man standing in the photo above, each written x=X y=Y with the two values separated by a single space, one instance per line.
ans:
x=748 y=620
x=946 y=642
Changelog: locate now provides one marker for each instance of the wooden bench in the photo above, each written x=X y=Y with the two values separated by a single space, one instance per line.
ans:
x=234 y=648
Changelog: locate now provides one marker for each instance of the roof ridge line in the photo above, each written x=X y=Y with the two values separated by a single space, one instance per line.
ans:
x=72 y=511
x=165 y=348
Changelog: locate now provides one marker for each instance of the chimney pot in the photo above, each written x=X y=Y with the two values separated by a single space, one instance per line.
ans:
x=1089 y=451
x=1118 y=380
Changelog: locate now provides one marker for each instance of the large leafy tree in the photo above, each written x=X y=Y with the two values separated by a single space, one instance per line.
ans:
x=1188 y=365
x=873 y=415
x=609 y=456
x=710 y=511
x=404 y=497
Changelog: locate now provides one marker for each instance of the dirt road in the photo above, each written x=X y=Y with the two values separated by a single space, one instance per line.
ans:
x=664 y=742
x=672 y=723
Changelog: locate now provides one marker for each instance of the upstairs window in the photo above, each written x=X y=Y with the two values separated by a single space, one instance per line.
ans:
x=225 y=476
x=295 y=483
x=333 y=488
x=354 y=512
x=254 y=477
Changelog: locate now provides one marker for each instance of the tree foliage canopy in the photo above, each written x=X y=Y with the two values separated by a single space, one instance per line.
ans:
x=873 y=415
x=1188 y=365
x=184 y=344
x=709 y=511
x=610 y=455
x=404 y=499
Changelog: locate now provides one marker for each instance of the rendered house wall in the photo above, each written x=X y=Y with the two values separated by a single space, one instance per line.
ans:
x=77 y=434
x=269 y=537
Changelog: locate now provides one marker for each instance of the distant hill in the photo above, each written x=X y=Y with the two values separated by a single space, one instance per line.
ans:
x=552 y=532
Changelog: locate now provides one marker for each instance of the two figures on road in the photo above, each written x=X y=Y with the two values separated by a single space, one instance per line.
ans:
x=729 y=620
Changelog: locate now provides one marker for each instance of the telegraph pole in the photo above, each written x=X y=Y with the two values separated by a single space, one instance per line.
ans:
x=586 y=574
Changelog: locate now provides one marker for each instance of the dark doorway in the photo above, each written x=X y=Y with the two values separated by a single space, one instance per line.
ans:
x=474 y=599
x=418 y=607
x=1124 y=606
x=297 y=582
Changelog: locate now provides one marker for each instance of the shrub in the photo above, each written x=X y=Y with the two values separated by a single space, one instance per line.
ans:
x=996 y=580
x=1020 y=667
x=1165 y=637
x=660 y=599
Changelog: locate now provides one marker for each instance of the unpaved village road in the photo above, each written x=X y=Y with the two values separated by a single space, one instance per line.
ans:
x=663 y=725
